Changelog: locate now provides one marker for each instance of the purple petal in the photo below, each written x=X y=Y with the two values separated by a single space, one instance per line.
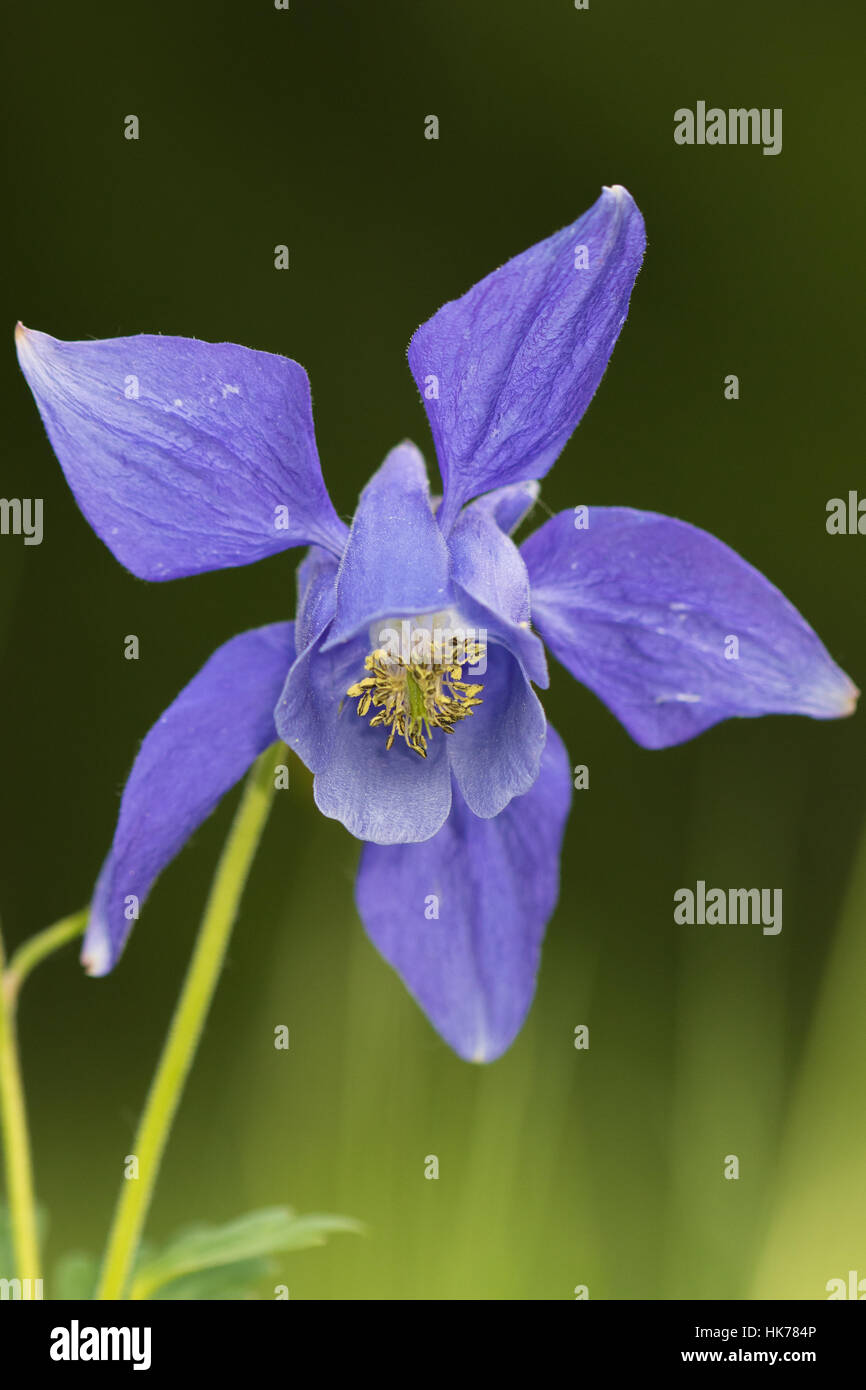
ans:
x=507 y=371
x=395 y=562
x=309 y=708
x=642 y=609
x=316 y=580
x=496 y=753
x=509 y=505
x=462 y=916
x=184 y=456
x=390 y=796
x=197 y=750
x=494 y=587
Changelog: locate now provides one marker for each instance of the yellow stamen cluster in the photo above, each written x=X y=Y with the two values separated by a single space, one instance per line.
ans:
x=414 y=697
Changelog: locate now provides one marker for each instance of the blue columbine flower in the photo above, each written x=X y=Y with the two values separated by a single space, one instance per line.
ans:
x=405 y=682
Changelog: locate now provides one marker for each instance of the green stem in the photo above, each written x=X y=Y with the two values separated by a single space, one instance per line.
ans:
x=16 y=1142
x=186 y=1026
x=29 y=955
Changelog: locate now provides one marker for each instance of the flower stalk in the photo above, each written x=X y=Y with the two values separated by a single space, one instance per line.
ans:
x=38 y=947
x=13 y=1111
x=186 y=1026
x=16 y=1140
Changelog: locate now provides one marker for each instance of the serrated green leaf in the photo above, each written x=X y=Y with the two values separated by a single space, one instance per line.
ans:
x=314 y=1229
x=230 y=1283
x=259 y=1233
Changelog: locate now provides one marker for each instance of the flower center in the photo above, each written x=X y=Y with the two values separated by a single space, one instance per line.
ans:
x=416 y=686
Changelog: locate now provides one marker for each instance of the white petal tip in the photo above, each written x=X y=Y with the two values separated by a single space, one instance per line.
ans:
x=849 y=702
x=95 y=960
x=23 y=336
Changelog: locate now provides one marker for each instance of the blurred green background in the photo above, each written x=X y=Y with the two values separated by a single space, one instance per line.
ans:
x=557 y=1167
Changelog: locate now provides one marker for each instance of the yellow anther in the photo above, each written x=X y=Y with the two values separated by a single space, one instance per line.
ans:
x=413 y=697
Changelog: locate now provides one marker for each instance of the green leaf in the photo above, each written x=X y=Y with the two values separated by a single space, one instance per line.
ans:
x=75 y=1276
x=230 y=1283
x=314 y=1229
x=250 y=1237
